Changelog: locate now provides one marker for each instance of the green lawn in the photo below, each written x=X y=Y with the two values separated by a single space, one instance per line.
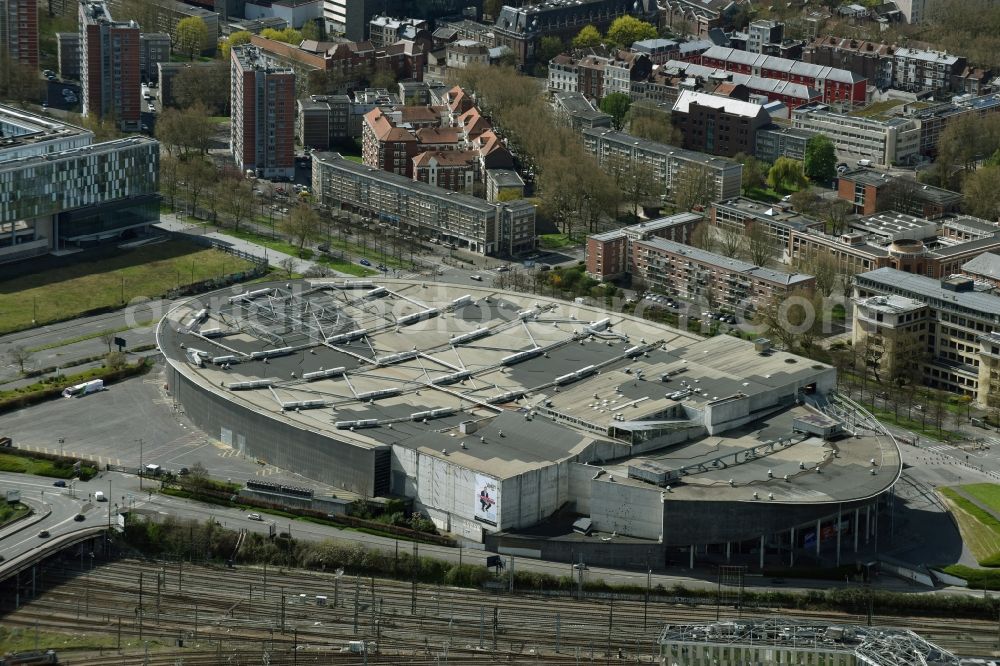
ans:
x=288 y=248
x=878 y=108
x=219 y=120
x=354 y=158
x=147 y=271
x=987 y=494
x=11 y=512
x=555 y=241
x=763 y=194
x=980 y=530
x=10 y=462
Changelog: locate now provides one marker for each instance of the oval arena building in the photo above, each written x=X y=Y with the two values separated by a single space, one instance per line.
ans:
x=535 y=425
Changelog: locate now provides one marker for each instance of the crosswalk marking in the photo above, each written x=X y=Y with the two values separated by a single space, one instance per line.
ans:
x=942 y=448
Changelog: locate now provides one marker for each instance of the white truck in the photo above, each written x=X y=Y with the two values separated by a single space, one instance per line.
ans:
x=83 y=389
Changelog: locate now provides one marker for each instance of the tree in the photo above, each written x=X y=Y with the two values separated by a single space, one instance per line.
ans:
x=237 y=38
x=982 y=193
x=492 y=8
x=898 y=194
x=288 y=265
x=237 y=199
x=792 y=321
x=115 y=360
x=169 y=178
x=732 y=240
x=759 y=244
x=588 y=36
x=835 y=214
x=754 y=172
x=199 y=174
x=287 y=35
x=626 y=30
x=786 y=175
x=20 y=356
x=616 y=105
x=702 y=237
x=820 y=159
x=301 y=224
x=548 y=48
x=652 y=125
x=823 y=267
x=19 y=82
x=108 y=338
x=384 y=79
x=191 y=35
x=311 y=30
x=207 y=85
x=185 y=131
x=806 y=201
x=694 y=187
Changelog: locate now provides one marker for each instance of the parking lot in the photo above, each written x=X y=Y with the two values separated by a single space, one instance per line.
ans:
x=107 y=427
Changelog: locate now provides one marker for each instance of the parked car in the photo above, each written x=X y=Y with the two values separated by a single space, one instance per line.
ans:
x=323 y=247
x=59 y=484
x=254 y=516
x=477 y=278
x=79 y=517
x=365 y=262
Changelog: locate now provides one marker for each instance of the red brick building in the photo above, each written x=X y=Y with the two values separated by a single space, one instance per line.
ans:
x=385 y=146
x=870 y=191
x=836 y=85
x=19 y=30
x=109 y=66
x=609 y=254
x=263 y=114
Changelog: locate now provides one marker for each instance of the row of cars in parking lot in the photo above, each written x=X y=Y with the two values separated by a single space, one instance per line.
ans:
x=680 y=306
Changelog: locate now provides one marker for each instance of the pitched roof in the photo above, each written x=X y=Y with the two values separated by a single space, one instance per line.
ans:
x=446 y=158
x=730 y=105
x=384 y=129
x=793 y=67
x=437 y=135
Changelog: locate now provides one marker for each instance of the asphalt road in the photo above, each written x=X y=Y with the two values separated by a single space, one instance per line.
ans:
x=138 y=312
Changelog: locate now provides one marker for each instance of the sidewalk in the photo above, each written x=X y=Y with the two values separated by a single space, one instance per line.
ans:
x=169 y=222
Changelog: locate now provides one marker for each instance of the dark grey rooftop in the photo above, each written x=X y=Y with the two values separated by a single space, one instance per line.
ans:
x=930 y=291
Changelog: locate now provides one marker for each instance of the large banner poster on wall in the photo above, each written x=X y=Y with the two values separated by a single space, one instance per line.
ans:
x=487 y=499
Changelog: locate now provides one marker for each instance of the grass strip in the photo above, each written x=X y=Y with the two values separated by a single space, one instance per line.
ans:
x=90 y=336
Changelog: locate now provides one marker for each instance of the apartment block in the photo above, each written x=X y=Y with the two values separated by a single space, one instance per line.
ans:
x=19 y=31
x=68 y=53
x=164 y=77
x=504 y=184
x=688 y=272
x=668 y=162
x=109 y=65
x=884 y=142
x=609 y=254
x=323 y=120
x=737 y=215
x=870 y=191
x=774 y=141
x=495 y=229
x=699 y=16
x=955 y=321
x=836 y=85
x=522 y=28
x=385 y=30
x=718 y=125
x=263 y=114
x=916 y=70
x=154 y=48
x=456 y=170
x=58 y=189
x=872 y=60
x=762 y=33
x=465 y=53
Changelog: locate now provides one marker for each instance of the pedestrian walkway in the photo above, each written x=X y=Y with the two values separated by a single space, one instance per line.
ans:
x=170 y=222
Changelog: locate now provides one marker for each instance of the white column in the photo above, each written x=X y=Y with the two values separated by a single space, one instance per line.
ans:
x=856 y=526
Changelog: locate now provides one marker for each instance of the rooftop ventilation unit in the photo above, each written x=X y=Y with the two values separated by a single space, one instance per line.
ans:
x=520 y=356
x=451 y=378
x=347 y=337
x=250 y=295
x=247 y=386
x=303 y=404
x=417 y=316
x=398 y=358
x=351 y=425
x=272 y=353
x=322 y=374
x=470 y=336
x=381 y=393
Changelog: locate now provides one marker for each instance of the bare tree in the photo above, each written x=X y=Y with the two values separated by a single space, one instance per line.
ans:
x=237 y=200
x=702 y=237
x=288 y=265
x=731 y=241
x=108 y=338
x=20 y=356
x=301 y=224
x=759 y=244
x=824 y=267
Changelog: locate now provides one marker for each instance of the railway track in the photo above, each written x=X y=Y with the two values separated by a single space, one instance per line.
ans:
x=246 y=610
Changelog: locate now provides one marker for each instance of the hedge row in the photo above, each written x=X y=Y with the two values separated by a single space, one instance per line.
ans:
x=48 y=390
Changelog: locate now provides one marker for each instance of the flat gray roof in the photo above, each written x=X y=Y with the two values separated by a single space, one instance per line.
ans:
x=929 y=290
